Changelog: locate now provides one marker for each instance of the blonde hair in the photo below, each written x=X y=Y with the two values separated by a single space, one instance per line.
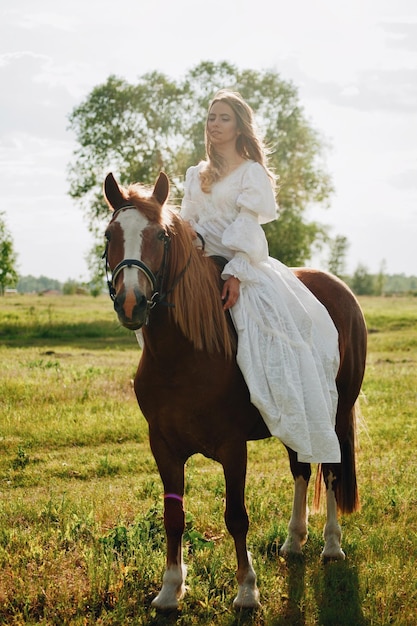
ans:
x=249 y=144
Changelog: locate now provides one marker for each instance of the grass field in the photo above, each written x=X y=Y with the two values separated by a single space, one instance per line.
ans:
x=81 y=535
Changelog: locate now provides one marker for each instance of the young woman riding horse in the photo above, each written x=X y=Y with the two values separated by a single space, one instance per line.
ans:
x=190 y=388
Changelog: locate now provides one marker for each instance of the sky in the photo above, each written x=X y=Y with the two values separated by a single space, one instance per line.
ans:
x=354 y=64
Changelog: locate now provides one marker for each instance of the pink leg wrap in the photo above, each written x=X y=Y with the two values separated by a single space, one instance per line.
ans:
x=174 y=496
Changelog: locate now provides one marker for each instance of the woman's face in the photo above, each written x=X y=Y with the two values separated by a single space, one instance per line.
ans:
x=222 y=125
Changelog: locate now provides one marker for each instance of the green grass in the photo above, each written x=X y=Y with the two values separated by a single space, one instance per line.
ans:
x=81 y=533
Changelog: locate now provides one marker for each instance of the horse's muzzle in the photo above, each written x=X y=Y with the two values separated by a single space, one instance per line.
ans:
x=131 y=308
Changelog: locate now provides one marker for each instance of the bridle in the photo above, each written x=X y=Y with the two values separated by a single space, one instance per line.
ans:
x=156 y=281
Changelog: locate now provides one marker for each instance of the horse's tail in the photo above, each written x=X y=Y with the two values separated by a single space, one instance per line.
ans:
x=347 y=496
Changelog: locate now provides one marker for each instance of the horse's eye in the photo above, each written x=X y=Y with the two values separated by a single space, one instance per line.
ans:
x=161 y=235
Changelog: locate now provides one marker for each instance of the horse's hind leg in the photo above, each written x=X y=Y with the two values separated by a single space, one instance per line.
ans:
x=340 y=481
x=234 y=465
x=298 y=525
x=332 y=531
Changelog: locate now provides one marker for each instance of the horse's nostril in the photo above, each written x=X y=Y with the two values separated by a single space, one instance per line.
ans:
x=131 y=308
x=142 y=302
x=117 y=305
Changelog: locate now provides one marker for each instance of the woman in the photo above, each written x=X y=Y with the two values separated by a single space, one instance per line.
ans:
x=287 y=342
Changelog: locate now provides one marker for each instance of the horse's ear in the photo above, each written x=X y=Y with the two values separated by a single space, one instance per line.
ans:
x=112 y=192
x=161 y=189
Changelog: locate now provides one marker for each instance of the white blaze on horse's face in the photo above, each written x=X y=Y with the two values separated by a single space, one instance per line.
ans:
x=132 y=224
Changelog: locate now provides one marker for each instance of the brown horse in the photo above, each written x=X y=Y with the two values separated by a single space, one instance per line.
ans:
x=190 y=389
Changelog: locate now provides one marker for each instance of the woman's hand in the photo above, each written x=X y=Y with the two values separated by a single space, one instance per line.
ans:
x=230 y=293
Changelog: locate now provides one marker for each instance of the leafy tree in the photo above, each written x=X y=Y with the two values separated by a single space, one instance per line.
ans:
x=69 y=288
x=8 y=258
x=362 y=282
x=292 y=240
x=128 y=128
x=158 y=123
x=95 y=263
x=337 y=257
x=380 y=279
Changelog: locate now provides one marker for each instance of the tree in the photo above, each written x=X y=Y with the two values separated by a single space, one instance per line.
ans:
x=362 y=282
x=8 y=258
x=380 y=279
x=138 y=130
x=337 y=257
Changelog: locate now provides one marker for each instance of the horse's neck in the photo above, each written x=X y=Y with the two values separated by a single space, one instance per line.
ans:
x=161 y=336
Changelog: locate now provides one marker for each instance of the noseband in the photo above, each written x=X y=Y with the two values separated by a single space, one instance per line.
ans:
x=155 y=280
x=132 y=263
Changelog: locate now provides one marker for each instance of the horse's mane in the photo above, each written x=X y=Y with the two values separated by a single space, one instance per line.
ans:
x=197 y=307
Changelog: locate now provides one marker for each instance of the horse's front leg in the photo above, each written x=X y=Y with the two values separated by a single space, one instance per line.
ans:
x=234 y=463
x=171 y=471
x=298 y=525
x=332 y=531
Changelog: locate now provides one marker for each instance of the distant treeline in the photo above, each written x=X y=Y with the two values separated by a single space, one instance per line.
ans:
x=362 y=283
x=399 y=283
x=42 y=284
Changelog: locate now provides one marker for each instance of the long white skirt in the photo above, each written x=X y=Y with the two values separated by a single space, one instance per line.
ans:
x=289 y=356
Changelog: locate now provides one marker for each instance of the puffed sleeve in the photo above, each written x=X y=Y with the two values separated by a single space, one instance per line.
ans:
x=245 y=236
x=257 y=194
x=188 y=206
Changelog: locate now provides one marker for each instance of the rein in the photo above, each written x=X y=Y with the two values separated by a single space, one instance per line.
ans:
x=155 y=280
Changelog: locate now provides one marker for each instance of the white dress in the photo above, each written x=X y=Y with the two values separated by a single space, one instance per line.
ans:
x=287 y=343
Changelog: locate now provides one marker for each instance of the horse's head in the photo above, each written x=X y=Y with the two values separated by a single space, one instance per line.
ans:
x=136 y=248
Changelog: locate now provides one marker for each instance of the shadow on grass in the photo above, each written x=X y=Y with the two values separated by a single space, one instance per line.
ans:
x=245 y=617
x=162 y=619
x=337 y=593
x=293 y=612
x=336 y=588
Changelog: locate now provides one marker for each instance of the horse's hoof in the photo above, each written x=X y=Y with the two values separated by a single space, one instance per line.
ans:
x=290 y=547
x=247 y=599
x=334 y=555
x=250 y=606
x=164 y=605
x=286 y=552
